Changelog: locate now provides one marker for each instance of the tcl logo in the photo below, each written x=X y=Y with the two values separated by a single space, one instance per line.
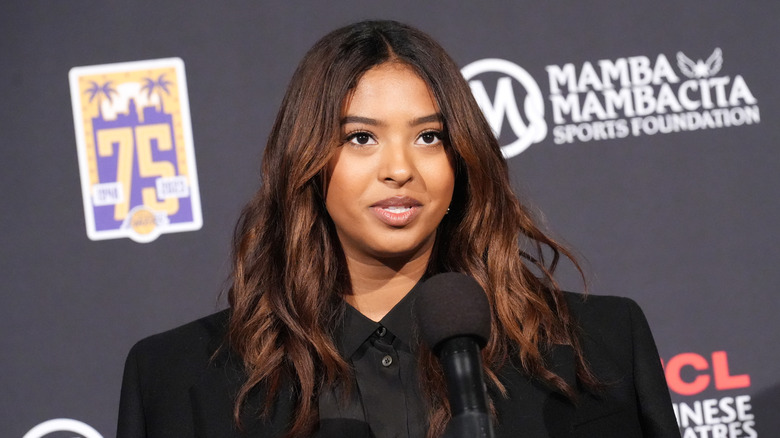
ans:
x=715 y=370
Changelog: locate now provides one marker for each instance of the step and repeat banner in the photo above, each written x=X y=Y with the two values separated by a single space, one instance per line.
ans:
x=646 y=134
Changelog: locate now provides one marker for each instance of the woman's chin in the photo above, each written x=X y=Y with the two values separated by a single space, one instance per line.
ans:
x=398 y=252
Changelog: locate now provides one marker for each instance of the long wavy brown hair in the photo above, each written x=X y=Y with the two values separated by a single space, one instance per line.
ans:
x=290 y=275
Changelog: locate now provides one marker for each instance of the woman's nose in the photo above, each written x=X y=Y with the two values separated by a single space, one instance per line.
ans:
x=396 y=165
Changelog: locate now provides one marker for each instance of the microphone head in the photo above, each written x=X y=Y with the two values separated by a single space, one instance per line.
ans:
x=450 y=305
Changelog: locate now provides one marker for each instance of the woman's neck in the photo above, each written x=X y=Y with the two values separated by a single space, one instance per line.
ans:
x=377 y=286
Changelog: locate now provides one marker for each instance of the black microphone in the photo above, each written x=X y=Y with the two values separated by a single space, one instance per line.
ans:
x=453 y=315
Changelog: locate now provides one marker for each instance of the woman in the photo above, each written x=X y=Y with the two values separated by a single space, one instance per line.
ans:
x=380 y=171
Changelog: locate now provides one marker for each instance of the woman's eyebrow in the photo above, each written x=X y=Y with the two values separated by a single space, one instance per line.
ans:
x=427 y=119
x=359 y=119
x=374 y=122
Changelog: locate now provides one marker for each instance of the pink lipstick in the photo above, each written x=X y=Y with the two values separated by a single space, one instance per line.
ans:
x=397 y=211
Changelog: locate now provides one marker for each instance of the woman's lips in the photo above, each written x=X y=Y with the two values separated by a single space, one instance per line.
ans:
x=397 y=211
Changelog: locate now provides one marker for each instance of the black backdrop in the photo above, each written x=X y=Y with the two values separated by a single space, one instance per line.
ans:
x=684 y=221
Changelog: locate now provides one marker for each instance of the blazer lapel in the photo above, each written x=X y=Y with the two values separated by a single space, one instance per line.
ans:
x=558 y=412
x=213 y=399
x=534 y=409
x=560 y=360
x=589 y=406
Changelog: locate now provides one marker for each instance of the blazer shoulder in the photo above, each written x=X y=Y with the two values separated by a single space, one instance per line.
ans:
x=609 y=323
x=588 y=304
x=190 y=344
x=621 y=351
x=159 y=372
x=605 y=314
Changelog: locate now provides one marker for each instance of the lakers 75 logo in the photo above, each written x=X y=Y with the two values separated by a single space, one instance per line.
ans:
x=135 y=149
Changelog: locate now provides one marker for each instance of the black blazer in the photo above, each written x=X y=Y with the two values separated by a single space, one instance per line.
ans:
x=174 y=386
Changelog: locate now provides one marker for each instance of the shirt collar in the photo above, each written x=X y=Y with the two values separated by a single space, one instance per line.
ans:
x=357 y=328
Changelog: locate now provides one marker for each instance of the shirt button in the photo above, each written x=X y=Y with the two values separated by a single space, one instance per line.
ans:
x=387 y=361
x=381 y=331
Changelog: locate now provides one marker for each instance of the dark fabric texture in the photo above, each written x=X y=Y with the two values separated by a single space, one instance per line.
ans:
x=385 y=395
x=173 y=388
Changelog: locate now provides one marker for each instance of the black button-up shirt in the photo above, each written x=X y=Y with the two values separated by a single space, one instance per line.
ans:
x=385 y=400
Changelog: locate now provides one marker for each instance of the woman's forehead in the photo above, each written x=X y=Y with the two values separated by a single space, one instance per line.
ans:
x=387 y=85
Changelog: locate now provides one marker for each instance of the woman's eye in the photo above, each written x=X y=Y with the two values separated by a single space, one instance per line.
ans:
x=361 y=138
x=429 y=138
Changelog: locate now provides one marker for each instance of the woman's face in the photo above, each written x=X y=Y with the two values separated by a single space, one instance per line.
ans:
x=391 y=180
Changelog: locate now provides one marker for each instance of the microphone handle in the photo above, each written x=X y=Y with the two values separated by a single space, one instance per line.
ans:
x=470 y=425
x=462 y=363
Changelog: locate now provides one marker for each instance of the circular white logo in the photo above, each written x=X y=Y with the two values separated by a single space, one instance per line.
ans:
x=504 y=105
x=62 y=425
